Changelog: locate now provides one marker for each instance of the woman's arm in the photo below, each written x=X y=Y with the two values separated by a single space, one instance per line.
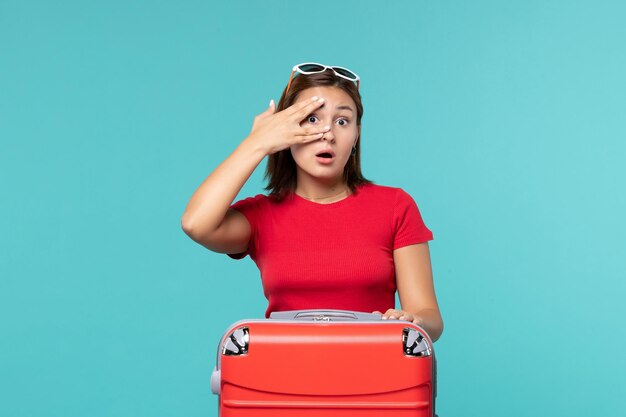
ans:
x=416 y=290
x=207 y=218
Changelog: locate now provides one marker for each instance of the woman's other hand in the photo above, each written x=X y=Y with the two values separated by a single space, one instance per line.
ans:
x=273 y=132
x=393 y=314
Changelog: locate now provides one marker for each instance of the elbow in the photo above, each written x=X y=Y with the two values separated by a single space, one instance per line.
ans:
x=433 y=323
x=439 y=330
x=436 y=324
x=188 y=227
x=198 y=232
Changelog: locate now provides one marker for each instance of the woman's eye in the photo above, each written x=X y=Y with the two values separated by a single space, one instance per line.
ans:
x=313 y=118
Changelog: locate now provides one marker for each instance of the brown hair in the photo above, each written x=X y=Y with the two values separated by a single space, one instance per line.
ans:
x=281 y=167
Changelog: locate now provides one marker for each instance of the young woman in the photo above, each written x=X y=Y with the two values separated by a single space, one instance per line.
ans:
x=325 y=237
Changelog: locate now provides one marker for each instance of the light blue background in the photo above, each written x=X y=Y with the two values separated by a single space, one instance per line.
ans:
x=503 y=119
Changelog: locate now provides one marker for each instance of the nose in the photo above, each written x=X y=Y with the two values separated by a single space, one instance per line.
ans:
x=329 y=136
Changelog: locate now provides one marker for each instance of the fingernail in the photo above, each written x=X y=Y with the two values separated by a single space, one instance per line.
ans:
x=321 y=100
x=271 y=102
x=313 y=98
x=384 y=318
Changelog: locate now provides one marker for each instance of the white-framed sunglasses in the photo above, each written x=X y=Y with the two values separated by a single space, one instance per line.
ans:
x=314 y=68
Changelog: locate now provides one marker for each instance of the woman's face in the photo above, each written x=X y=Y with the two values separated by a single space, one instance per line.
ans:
x=326 y=158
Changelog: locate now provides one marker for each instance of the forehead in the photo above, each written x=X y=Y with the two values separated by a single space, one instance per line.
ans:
x=333 y=96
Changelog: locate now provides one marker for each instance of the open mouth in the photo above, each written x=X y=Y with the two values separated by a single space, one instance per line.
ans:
x=325 y=156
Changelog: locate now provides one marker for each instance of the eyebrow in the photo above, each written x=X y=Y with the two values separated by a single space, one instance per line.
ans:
x=345 y=108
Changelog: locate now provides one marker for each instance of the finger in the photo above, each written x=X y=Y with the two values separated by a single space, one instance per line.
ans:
x=271 y=109
x=301 y=110
x=389 y=314
x=306 y=131
x=309 y=138
x=295 y=107
x=419 y=321
x=301 y=114
x=403 y=315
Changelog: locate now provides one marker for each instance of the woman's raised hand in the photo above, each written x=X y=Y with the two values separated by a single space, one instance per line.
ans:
x=273 y=132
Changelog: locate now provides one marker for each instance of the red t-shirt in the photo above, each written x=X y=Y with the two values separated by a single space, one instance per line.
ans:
x=331 y=256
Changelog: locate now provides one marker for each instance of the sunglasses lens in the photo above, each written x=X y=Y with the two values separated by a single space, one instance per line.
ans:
x=345 y=73
x=311 y=68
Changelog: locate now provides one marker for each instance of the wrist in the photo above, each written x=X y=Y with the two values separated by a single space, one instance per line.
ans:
x=252 y=145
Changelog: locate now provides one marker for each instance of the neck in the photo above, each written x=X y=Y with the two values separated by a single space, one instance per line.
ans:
x=327 y=199
x=322 y=192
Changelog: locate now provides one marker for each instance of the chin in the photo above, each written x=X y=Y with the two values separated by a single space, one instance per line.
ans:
x=323 y=174
x=330 y=177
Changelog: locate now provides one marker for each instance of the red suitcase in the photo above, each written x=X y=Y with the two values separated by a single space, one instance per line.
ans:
x=325 y=363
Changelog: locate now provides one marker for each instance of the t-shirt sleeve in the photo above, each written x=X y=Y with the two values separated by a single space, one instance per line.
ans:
x=409 y=226
x=249 y=207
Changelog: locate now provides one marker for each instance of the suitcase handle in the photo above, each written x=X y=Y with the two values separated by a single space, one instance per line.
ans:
x=325 y=315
